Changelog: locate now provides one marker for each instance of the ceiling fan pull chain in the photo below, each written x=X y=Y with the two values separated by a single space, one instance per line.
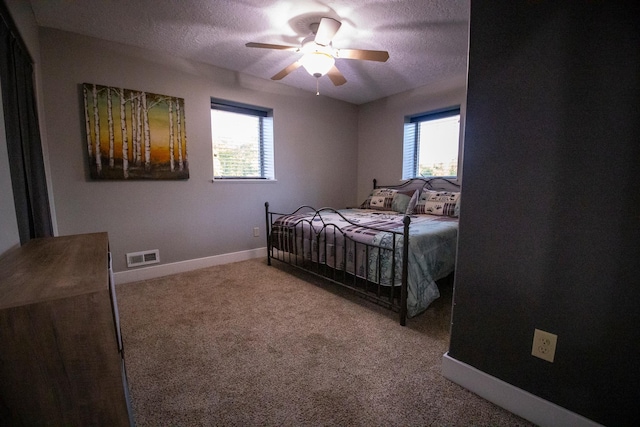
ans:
x=317 y=86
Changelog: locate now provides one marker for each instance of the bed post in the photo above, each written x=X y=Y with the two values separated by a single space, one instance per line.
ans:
x=266 y=213
x=375 y=183
x=405 y=271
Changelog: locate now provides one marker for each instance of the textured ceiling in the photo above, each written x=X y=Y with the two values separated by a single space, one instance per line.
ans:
x=426 y=40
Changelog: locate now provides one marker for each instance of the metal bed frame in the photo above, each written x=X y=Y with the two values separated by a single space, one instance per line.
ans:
x=365 y=286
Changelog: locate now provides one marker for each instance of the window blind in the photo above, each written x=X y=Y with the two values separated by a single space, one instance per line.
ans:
x=410 y=150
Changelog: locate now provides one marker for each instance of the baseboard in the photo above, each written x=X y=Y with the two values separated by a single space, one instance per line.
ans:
x=152 y=272
x=515 y=400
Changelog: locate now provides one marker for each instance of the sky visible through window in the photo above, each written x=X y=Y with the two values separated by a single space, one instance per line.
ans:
x=234 y=129
x=438 y=152
x=235 y=144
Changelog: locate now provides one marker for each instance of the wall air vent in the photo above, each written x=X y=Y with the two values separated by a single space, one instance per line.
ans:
x=136 y=259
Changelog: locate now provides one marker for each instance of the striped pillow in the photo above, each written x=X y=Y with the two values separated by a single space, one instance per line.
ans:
x=388 y=199
x=444 y=203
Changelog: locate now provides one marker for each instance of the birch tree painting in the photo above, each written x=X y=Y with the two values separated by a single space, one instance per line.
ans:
x=134 y=135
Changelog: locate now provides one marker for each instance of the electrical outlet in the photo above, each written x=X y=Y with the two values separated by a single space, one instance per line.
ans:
x=544 y=345
x=256 y=232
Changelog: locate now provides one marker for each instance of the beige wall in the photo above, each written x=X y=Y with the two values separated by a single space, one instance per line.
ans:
x=315 y=153
x=327 y=151
x=9 y=236
x=381 y=127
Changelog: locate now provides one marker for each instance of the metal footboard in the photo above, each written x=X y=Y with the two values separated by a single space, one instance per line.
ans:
x=324 y=250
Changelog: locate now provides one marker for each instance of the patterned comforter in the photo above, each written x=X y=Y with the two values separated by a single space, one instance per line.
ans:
x=432 y=247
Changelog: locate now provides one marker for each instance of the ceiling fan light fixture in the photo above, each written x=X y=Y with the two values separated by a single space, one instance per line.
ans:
x=319 y=55
x=317 y=63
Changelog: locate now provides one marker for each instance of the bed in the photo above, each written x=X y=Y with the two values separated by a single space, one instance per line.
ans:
x=364 y=248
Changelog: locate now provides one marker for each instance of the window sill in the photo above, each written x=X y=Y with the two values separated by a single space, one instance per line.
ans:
x=241 y=181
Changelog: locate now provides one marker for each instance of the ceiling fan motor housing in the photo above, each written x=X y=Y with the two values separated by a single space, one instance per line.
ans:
x=309 y=45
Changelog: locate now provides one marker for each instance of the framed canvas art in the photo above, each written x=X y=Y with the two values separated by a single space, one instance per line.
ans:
x=134 y=135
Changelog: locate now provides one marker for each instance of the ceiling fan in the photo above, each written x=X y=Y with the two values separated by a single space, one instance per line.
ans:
x=320 y=55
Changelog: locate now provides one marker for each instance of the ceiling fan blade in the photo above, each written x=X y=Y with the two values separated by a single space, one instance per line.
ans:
x=273 y=46
x=336 y=76
x=286 y=71
x=327 y=28
x=369 y=55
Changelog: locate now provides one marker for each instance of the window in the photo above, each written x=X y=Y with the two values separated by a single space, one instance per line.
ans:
x=431 y=144
x=242 y=141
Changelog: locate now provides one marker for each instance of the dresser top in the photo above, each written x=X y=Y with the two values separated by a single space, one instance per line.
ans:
x=54 y=267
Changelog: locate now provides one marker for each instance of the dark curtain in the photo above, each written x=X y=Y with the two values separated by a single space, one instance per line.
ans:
x=23 y=134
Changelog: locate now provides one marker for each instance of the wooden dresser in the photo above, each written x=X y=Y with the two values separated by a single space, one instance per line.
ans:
x=61 y=354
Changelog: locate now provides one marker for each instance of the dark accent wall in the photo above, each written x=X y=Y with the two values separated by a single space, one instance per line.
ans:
x=550 y=220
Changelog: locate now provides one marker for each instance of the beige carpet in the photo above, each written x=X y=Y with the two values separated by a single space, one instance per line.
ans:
x=246 y=344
